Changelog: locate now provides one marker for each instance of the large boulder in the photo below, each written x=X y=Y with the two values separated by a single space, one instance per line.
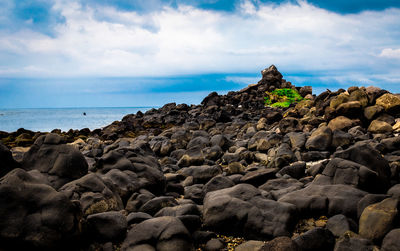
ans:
x=342 y=123
x=316 y=239
x=242 y=210
x=320 y=139
x=138 y=159
x=378 y=219
x=391 y=242
x=34 y=215
x=378 y=126
x=364 y=154
x=390 y=102
x=325 y=200
x=340 y=171
x=162 y=233
x=7 y=161
x=57 y=162
x=200 y=174
x=95 y=194
x=107 y=226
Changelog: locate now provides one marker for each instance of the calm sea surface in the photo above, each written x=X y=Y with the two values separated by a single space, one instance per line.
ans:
x=45 y=119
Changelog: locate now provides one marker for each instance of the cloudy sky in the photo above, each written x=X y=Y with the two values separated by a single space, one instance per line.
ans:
x=69 y=53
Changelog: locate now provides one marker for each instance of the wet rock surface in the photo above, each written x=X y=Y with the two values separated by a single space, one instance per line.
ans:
x=322 y=174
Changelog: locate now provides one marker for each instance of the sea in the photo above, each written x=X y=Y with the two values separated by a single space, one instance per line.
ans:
x=47 y=119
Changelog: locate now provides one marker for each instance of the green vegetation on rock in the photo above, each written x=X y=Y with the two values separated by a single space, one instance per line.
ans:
x=282 y=97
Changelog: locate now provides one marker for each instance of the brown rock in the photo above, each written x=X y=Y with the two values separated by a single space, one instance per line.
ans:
x=377 y=219
x=390 y=102
x=342 y=123
x=378 y=126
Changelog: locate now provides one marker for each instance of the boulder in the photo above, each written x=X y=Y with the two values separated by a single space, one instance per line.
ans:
x=95 y=194
x=34 y=215
x=214 y=245
x=391 y=242
x=297 y=139
x=154 y=205
x=259 y=176
x=390 y=102
x=316 y=239
x=282 y=243
x=107 y=226
x=290 y=124
x=342 y=123
x=369 y=199
x=7 y=161
x=192 y=157
x=338 y=225
x=295 y=170
x=162 y=233
x=137 y=217
x=378 y=126
x=251 y=246
x=325 y=200
x=281 y=186
x=378 y=219
x=340 y=171
x=57 y=162
x=361 y=96
x=125 y=182
x=372 y=112
x=200 y=174
x=320 y=139
x=364 y=154
x=354 y=242
x=350 y=109
x=241 y=210
x=341 y=138
x=217 y=183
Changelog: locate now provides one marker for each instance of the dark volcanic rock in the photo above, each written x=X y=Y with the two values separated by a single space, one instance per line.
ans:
x=316 y=239
x=325 y=200
x=367 y=156
x=58 y=162
x=162 y=233
x=34 y=215
x=95 y=194
x=7 y=161
x=241 y=210
x=340 y=171
x=391 y=242
x=107 y=226
x=320 y=140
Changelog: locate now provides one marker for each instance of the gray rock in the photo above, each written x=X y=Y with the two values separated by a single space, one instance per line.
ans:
x=58 y=162
x=165 y=233
x=391 y=242
x=320 y=139
x=107 y=226
x=325 y=200
x=95 y=194
x=316 y=239
x=200 y=174
x=34 y=215
x=242 y=210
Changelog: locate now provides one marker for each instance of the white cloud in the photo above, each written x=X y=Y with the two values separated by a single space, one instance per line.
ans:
x=105 y=41
x=390 y=53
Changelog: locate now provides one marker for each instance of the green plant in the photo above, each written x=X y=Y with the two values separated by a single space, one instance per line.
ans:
x=282 y=97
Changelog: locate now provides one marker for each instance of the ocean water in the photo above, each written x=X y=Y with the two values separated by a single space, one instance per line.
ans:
x=47 y=119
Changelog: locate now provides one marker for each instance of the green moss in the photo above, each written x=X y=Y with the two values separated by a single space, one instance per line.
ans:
x=282 y=97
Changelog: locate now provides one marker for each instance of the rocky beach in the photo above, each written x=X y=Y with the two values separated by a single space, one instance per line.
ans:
x=228 y=174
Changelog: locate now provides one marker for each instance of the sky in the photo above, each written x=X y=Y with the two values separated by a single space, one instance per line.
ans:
x=127 y=53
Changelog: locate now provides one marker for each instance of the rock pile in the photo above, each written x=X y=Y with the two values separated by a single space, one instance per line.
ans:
x=323 y=174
